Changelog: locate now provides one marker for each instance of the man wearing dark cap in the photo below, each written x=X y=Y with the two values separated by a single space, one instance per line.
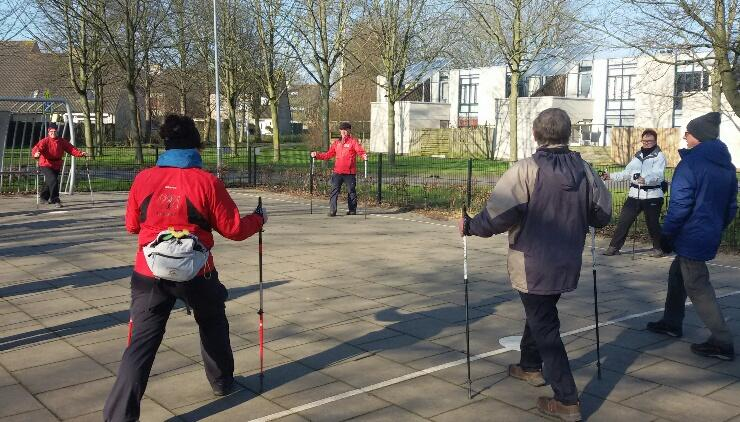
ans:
x=703 y=203
x=50 y=152
x=345 y=150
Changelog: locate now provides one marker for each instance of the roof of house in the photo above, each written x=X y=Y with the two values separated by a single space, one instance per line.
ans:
x=26 y=71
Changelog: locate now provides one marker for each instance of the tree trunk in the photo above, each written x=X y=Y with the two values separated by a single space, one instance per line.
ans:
x=243 y=121
x=135 y=134
x=324 y=110
x=513 y=120
x=729 y=83
x=232 y=124
x=207 y=128
x=87 y=124
x=716 y=90
x=391 y=132
x=275 y=130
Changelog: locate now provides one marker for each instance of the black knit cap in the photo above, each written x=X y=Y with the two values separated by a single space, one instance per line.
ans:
x=706 y=127
x=345 y=126
x=52 y=126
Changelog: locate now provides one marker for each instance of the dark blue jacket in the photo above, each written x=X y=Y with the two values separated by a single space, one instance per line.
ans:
x=703 y=200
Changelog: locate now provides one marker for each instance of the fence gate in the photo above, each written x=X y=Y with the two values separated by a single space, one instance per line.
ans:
x=23 y=122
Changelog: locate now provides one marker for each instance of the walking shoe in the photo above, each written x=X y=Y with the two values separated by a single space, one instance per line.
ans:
x=223 y=389
x=533 y=378
x=714 y=351
x=58 y=205
x=656 y=253
x=351 y=212
x=611 y=251
x=331 y=214
x=661 y=327
x=556 y=409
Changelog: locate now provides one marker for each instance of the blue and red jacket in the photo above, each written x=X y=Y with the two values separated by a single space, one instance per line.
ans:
x=178 y=193
x=345 y=150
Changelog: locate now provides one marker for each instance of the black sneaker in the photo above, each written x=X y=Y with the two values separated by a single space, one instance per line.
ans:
x=223 y=389
x=661 y=327
x=351 y=212
x=331 y=214
x=714 y=351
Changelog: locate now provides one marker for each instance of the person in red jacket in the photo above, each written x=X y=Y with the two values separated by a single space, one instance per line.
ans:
x=50 y=152
x=179 y=195
x=345 y=150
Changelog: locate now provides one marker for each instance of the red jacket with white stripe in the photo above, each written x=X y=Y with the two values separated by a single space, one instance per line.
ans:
x=52 y=152
x=184 y=198
x=345 y=150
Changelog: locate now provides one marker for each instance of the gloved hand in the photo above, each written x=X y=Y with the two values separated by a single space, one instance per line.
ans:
x=262 y=212
x=463 y=226
x=666 y=244
x=364 y=157
x=313 y=154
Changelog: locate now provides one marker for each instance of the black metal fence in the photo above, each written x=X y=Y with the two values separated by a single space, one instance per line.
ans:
x=411 y=182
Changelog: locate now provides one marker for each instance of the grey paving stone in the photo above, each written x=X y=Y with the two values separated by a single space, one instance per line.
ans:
x=366 y=370
x=14 y=399
x=390 y=413
x=77 y=400
x=426 y=396
x=311 y=395
x=40 y=415
x=6 y=378
x=61 y=374
x=404 y=348
x=729 y=394
x=511 y=391
x=323 y=353
x=49 y=352
x=687 y=378
x=241 y=405
x=674 y=404
x=345 y=409
x=613 y=386
x=282 y=380
x=486 y=410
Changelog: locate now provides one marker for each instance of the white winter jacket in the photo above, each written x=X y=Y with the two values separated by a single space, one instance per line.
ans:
x=651 y=168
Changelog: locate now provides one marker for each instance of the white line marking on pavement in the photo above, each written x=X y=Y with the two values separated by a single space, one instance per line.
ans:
x=438 y=368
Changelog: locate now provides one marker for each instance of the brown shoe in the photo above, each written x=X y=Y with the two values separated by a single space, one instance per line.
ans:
x=533 y=378
x=564 y=412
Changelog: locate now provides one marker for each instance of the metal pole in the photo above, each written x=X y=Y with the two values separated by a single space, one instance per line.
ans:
x=470 y=182
x=310 y=189
x=218 y=93
x=261 y=311
x=467 y=314
x=368 y=186
x=380 y=178
x=596 y=301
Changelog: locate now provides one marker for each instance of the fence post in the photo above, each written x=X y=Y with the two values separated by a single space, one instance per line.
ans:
x=470 y=182
x=156 y=153
x=254 y=167
x=380 y=178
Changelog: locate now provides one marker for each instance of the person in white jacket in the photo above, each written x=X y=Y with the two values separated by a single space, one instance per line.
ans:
x=646 y=176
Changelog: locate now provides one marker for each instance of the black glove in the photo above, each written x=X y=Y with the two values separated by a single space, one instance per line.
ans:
x=262 y=212
x=466 y=222
x=666 y=244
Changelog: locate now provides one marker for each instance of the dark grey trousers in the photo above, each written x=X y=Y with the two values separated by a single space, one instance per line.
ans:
x=687 y=277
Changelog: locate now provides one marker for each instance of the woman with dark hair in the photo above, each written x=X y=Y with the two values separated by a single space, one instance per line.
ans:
x=180 y=197
x=646 y=175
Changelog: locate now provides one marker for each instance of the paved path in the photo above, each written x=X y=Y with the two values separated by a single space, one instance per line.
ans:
x=364 y=321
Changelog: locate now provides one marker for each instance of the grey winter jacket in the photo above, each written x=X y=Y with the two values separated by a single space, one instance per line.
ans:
x=546 y=203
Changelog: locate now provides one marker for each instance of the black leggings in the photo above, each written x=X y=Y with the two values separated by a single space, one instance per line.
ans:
x=631 y=209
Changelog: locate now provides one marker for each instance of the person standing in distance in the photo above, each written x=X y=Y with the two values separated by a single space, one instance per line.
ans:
x=50 y=153
x=703 y=203
x=345 y=149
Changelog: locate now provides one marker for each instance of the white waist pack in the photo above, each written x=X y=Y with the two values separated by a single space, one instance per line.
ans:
x=176 y=255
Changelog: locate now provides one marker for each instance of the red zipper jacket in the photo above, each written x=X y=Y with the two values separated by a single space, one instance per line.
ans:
x=183 y=198
x=52 y=151
x=345 y=151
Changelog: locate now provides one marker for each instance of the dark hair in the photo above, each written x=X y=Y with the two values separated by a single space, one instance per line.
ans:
x=179 y=132
x=552 y=127
x=345 y=126
x=649 y=132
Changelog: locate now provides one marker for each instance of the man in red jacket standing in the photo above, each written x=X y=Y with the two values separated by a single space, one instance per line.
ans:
x=50 y=151
x=345 y=150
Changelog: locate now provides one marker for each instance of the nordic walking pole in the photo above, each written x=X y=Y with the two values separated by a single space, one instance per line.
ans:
x=310 y=189
x=467 y=314
x=261 y=311
x=634 y=230
x=37 y=185
x=596 y=301
x=367 y=186
x=89 y=183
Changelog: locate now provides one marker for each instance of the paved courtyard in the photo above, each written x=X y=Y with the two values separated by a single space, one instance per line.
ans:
x=365 y=320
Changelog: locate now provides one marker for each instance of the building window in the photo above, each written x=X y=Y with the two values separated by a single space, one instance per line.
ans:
x=468 y=110
x=444 y=124
x=444 y=87
x=689 y=82
x=522 y=87
x=621 y=87
x=584 y=79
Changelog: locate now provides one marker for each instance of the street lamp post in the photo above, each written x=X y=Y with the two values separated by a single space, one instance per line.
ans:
x=218 y=93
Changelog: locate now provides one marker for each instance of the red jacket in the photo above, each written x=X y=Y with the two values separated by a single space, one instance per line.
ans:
x=52 y=151
x=345 y=150
x=183 y=198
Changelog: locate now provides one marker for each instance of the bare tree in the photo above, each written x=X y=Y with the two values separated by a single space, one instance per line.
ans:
x=522 y=32
x=704 y=32
x=323 y=29
x=15 y=18
x=404 y=32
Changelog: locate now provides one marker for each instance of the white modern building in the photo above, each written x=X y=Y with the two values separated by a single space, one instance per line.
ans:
x=598 y=94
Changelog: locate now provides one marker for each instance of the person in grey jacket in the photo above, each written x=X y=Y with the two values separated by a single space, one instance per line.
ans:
x=546 y=203
x=646 y=174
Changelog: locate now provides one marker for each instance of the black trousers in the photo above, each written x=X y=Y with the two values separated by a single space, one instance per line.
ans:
x=336 y=186
x=151 y=303
x=542 y=348
x=50 y=191
x=631 y=209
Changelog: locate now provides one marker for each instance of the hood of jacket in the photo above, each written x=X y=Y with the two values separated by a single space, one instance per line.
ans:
x=714 y=151
x=180 y=158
